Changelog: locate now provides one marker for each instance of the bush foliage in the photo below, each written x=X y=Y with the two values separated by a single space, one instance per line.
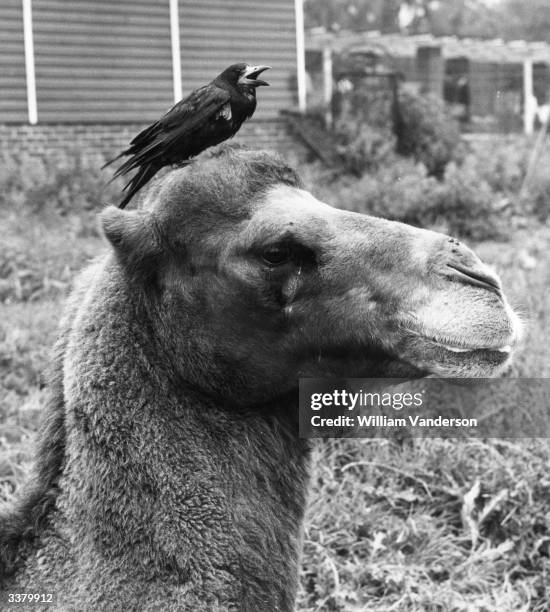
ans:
x=430 y=135
x=430 y=176
x=63 y=182
x=478 y=197
x=36 y=262
x=427 y=134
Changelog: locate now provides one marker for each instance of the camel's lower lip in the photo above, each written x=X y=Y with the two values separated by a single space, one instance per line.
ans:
x=506 y=348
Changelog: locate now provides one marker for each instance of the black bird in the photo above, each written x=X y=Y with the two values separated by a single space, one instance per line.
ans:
x=207 y=116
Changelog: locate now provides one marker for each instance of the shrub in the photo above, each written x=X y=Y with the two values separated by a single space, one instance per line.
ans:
x=468 y=205
x=63 y=182
x=502 y=162
x=363 y=147
x=478 y=197
x=47 y=211
x=463 y=204
x=430 y=135
x=427 y=133
x=538 y=197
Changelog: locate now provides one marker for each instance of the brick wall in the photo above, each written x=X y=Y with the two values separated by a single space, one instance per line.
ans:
x=46 y=138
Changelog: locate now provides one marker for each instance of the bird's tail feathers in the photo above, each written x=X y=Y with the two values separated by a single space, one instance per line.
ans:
x=127 y=166
x=140 y=141
x=112 y=161
x=145 y=136
x=140 y=178
x=150 y=155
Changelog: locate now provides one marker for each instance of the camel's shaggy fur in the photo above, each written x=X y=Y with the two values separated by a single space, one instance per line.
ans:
x=170 y=474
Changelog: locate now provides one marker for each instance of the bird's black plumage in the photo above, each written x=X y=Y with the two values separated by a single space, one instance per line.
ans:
x=207 y=116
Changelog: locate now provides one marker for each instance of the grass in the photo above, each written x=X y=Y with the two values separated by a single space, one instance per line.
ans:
x=424 y=525
x=39 y=255
x=396 y=527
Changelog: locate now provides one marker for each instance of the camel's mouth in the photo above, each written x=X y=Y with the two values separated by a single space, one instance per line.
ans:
x=458 y=356
x=457 y=346
x=500 y=353
x=461 y=332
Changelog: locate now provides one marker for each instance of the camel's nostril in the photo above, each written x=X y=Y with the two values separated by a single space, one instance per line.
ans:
x=476 y=277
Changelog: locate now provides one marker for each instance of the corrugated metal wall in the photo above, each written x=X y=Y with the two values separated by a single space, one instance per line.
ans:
x=111 y=60
x=102 y=60
x=217 y=33
x=13 y=88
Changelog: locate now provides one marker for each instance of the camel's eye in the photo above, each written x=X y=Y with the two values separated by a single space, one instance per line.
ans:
x=276 y=255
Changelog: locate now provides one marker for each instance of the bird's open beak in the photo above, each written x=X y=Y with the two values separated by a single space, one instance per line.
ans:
x=250 y=76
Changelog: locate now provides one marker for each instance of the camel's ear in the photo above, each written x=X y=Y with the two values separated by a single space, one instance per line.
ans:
x=134 y=237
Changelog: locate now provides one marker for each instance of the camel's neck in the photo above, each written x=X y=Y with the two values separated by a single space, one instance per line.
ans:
x=169 y=482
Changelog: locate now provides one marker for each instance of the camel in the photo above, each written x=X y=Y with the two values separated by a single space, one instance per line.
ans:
x=170 y=474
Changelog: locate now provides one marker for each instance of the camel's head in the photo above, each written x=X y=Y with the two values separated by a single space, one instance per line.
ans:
x=255 y=283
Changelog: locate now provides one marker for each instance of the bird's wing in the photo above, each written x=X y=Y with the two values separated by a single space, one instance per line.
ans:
x=191 y=112
x=178 y=124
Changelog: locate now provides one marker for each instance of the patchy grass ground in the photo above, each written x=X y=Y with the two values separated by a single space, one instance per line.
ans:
x=426 y=525
x=39 y=255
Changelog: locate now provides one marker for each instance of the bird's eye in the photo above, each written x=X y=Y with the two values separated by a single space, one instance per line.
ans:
x=276 y=255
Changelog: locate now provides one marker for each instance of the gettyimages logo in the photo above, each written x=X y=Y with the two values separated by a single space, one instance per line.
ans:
x=431 y=407
x=361 y=399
